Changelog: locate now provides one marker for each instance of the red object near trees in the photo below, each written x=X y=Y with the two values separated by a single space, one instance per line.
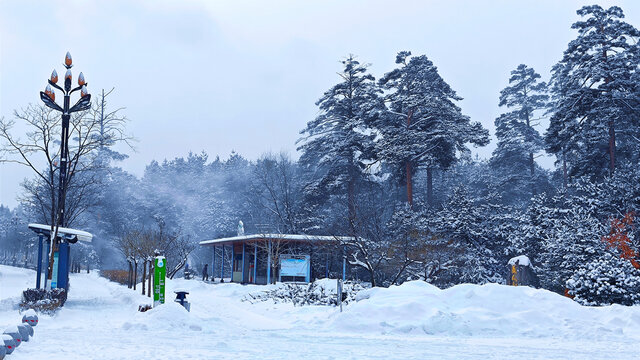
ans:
x=618 y=238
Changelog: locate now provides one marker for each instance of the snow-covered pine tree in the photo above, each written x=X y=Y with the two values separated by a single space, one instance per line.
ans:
x=573 y=239
x=518 y=140
x=337 y=143
x=534 y=225
x=464 y=247
x=424 y=126
x=606 y=280
x=594 y=125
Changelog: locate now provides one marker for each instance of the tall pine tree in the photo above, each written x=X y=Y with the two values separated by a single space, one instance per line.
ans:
x=337 y=143
x=594 y=125
x=518 y=141
x=424 y=126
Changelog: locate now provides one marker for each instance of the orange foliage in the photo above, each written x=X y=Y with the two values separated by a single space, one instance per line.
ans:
x=618 y=238
x=566 y=293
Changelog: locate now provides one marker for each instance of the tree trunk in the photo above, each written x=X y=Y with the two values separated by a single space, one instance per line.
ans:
x=351 y=206
x=612 y=147
x=135 y=274
x=409 y=185
x=564 y=169
x=144 y=276
x=130 y=275
x=373 y=277
x=150 y=277
x=408 y=167
x=430 y=186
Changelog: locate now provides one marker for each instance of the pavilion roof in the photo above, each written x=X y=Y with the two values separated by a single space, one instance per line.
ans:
x=285 y=237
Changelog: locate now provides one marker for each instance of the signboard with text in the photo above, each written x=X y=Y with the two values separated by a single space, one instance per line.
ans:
x=54 y=273
x=159 y=274
x=295 y=266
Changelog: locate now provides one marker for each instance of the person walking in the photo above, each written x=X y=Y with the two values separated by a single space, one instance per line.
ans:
x=205 y=275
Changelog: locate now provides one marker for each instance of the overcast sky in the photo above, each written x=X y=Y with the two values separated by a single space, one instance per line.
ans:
x=244 y=75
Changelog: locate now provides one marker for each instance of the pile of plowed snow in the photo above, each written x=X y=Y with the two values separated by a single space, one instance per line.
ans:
x=487 y=310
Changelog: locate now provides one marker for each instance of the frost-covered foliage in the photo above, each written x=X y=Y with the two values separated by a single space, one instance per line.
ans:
x=518 y=140
x=606 y=280
x=338 y=144
x=319 y=292
x=44 y=301
x=595 y=95
x=423 y=125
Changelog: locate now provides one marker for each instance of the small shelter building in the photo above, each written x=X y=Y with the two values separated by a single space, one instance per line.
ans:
x=263 y=258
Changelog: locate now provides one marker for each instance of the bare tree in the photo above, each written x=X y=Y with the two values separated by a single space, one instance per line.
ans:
x=141 y=245
x=274 y=193
x=89 y=132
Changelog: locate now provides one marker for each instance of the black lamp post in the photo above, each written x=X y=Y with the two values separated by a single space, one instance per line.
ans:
x=84 y=103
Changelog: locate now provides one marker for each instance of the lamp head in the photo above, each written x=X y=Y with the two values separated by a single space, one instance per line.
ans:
x=54 y=76
x=68 y=61
x=50 y=93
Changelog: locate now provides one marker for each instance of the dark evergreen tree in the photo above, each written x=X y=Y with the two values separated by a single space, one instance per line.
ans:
x=424 y=126
x=518 y=140
x=573 y=239
x=337 y=143
x=594 y=125
x=606 y=280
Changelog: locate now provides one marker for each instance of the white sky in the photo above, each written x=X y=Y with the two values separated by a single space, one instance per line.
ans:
x=244 y=75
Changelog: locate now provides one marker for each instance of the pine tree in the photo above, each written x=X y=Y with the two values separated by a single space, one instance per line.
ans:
x=573 y=239
x=518 y=141
x=606 y=280
x=337 y=143
x=468 y=238
x=424 y=126
x=594 y=125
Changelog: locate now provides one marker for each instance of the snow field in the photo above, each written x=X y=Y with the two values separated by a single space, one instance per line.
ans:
x=413 y=320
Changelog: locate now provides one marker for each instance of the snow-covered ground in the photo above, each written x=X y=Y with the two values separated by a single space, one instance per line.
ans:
x=411 y=321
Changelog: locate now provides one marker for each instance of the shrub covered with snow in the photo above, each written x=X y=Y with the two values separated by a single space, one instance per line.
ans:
x=319 y=292
x=46 y=301
x=606 y=280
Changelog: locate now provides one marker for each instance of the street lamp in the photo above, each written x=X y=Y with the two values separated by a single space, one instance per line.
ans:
x=84 y=103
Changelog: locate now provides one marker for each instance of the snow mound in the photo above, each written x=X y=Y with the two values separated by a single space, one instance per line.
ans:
x=170 y=315
x=417 y=307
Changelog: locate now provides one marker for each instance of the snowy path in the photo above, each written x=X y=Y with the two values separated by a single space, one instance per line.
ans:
x=100 y=321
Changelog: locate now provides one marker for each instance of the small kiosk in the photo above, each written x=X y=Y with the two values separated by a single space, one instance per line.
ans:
x=252 y=256
x=61 y=255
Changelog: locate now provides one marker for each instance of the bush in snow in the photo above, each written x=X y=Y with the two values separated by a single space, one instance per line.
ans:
x=46 y=301
x=319 y=292
x=606 y=280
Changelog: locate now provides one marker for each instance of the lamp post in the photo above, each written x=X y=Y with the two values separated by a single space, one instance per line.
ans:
x=84 y=103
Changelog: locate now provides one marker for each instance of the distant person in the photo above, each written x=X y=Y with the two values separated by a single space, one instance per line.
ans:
x=187 y=273
x=205 y=274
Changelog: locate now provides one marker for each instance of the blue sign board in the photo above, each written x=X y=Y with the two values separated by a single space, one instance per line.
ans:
x=295 y=266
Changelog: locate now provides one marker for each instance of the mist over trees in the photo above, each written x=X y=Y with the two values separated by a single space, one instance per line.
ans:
x=388 y=162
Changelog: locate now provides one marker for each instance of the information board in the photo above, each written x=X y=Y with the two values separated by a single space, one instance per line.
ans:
x=159 y=273
x=54 y=272
x=295 y=266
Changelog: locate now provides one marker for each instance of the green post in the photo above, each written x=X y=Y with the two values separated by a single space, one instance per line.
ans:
x=159 y=273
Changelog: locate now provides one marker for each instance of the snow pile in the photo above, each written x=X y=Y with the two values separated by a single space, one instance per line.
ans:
x=100 y=320
x=170 y=315
x=417 y=307
x=319 y=292
x=521 y=260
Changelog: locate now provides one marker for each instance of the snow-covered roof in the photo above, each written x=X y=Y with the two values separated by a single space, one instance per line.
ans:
x=62 y=232
x=286 y=237
x=521 y=260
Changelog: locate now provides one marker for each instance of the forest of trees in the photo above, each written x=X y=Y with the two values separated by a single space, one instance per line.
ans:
x=388 y=162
